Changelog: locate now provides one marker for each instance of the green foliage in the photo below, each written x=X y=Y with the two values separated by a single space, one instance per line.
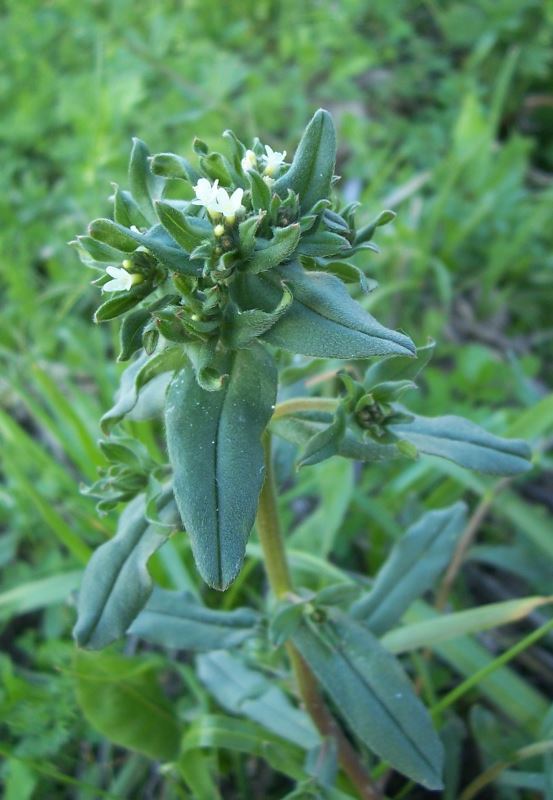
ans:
x=443 y=117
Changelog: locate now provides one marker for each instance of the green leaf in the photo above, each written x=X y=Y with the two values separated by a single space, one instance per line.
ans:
x=412 y=567
x=322 y=243
x=366 y=233
x=130 y=334
x=189 y=232
x=214 y=442
x=218 y=732
x=372 y=693
x=270 y=253
x=135 y=378
x=169 y=165
x=310 y=174
x=465 y=443
x=38 y=594
x=216 y=167
x=261 y=194
x=120 y=697
x=450 y=626
x=325 y=443
x=349 y=273
x=323 y=320
x=121 y=302
x=126 y=211
x=398 y=368
x=249 y=693
x=116 y=583
x=178 y=621
x=144 y=185
x=242 y=327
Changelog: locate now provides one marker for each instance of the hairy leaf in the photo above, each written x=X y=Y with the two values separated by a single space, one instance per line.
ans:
x=323 y=320
x=412 y=567
x=313 y=166
x=178 y=621
x=372 y=693
x=214 y=442
x=116 y=583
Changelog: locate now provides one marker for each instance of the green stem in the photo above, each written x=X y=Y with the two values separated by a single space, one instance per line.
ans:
x=276 y=565
x=298 y=404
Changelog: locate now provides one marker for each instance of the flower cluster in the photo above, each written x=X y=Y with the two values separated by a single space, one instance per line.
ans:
x=217 y=200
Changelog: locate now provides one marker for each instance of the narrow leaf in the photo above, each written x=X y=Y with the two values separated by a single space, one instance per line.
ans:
x=372 y=693
x=460 y=623
x=189 y=232
x=144 y=185
x=466 y=443
x=178 y=621
x=116 y=583
x=412 y=567
x=313 y=166
x=271 y=253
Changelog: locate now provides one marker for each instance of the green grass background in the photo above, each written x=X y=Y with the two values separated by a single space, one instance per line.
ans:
x=444 y=113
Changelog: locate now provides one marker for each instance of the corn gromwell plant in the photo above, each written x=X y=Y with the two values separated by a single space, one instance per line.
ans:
x=222 y=272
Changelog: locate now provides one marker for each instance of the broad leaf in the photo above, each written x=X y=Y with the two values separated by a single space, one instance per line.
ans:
x=412 y=567
x=178 y=621
x=323 y=320
x=214 y=442
x=466 y=443
x=121 y=698
x=313 y=166
x=247 y=692
x=372 y=693
x=116 y=583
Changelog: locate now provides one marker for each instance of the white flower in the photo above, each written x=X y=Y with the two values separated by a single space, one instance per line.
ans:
x=249 y=161
x=206 y=194
x=273 y=160
x=229 y=206
x=122 y=280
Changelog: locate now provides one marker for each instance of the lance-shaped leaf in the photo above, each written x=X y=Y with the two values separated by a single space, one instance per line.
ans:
x=322 y=243
x=261 y=194
x=323 y=320
x=313 y=166
x=126 y=210
x=399 y=368
x=249 y=693
x=465 y=443
x=300 y=428
x=271 y=253
x=177 y=620
x=325 y=443
x=372 y=693
x=242 y=327
x=122 y=302
x=144 y=185
x=412 y=567
x=156 y=240
x=189 y=232
x=130 y=334
x=169 y=165
x=116 y=583
x=214 y=442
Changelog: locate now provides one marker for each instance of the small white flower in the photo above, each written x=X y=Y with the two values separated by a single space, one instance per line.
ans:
x=122 y=280
x=249 y=161
x=273 y=160
x=229 y=206
x=206 y=194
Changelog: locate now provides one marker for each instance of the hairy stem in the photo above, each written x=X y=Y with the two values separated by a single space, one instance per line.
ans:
x=276 y=566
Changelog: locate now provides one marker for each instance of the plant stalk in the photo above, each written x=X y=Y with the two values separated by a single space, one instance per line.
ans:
x=278 y=573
